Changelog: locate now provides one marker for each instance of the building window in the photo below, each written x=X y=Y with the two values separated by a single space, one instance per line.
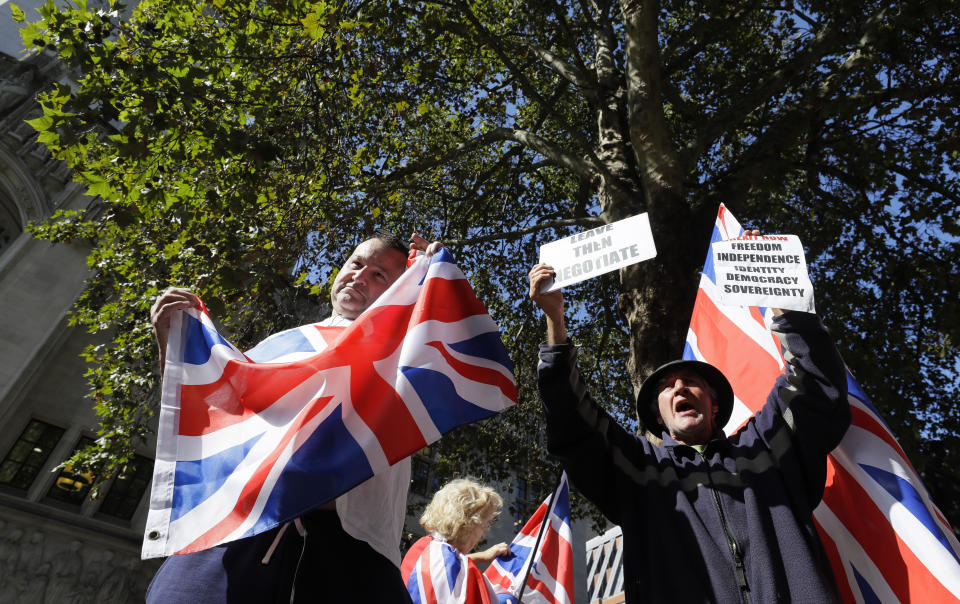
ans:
x=28 y=455
x=72 y=487
x=420 y=476
x=9 y=225
x=523 y=504
x=124 y=495
x=423 y=479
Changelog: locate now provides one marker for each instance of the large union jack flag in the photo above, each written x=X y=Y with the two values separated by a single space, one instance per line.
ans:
x=885 y=538
x=248 y=441
x=550 y=580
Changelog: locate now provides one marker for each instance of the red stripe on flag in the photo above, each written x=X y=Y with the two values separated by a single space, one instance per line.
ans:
x=498 y=579
x=447 y=301
x=758 y=317
x=478 y=374
x=251 y=490
x=477 y=591
x=551 y=557
x=721 y=225
x=379 y=406
x=374 y=399
x=549 y=549
x=330 y=335
x=411 y=557
x=426 y=577
x=907 y=576
x=839 y=572
x=539 y=587
x=206 y=408
x=532 y=527
x=750 y=369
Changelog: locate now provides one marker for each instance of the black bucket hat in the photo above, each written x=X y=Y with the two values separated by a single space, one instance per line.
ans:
x=713 y=376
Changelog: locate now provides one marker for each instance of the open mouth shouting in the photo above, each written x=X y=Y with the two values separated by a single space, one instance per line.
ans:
x=683 y=406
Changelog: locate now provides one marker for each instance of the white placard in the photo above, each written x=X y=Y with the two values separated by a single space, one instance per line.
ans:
x=764 y=270
x=592 y=253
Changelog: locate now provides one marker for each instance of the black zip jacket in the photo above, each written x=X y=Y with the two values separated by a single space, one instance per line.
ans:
x=733 y=524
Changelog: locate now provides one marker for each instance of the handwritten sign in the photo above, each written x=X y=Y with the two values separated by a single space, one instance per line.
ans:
x=597 y=251
x=765 y=270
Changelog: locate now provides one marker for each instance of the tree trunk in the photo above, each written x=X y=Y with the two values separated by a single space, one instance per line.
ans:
x=656 y=296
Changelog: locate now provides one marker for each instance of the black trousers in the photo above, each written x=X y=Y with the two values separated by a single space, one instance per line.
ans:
x=327 y=565
x=338 y=568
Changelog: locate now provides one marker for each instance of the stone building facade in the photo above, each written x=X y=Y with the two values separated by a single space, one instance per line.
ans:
x=57 y=544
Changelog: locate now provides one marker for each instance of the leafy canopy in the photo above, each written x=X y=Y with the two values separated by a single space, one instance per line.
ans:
x=242 y=148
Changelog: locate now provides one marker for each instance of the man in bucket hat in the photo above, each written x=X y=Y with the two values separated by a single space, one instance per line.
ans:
x=690 y=400
x=705 y=517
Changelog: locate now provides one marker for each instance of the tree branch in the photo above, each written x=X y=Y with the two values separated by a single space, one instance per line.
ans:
x=931 y=185
x=463 y=148
x=586 y=221
x=582 y=167
x=827 y=41
x=575 y=76
x=597 y=166
x=585 y=168
x=570 y=38
x=489 y=40
x=652 y=141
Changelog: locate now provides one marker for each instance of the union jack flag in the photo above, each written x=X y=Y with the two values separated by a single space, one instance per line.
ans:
x=437 y=573
x=886 y=540
x=248 y=441
x=550 y=581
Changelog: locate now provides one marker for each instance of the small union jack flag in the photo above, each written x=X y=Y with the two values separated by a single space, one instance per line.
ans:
x=886 y=540
x=548 y=548
x=248 y=441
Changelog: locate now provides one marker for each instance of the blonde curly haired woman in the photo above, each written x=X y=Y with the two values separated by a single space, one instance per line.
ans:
x=440 y=566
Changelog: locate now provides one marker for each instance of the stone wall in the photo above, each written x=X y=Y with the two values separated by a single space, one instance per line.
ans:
x=50 y=550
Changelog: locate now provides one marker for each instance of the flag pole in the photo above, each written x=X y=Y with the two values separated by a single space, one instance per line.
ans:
x=543 y=528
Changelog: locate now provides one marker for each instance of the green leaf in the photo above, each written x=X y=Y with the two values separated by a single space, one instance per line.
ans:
x=42 y=123
x=313 y=26
x=18 y=15
x=172 y=249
